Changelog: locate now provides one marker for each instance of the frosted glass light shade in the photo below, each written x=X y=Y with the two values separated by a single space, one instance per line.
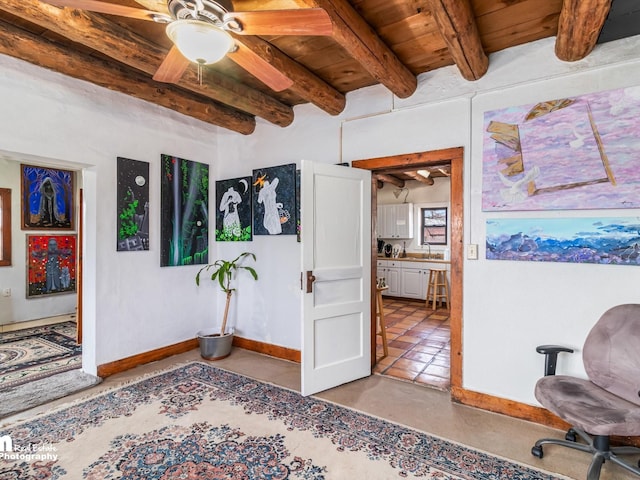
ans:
x=199 y=41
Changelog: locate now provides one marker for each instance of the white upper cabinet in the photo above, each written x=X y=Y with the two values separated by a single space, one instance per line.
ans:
x=395 y=221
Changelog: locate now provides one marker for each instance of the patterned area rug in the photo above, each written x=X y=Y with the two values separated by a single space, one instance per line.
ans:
x=199 y=422
x=35 y=353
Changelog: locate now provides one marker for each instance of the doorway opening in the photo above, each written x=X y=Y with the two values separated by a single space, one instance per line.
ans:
x=383 y=167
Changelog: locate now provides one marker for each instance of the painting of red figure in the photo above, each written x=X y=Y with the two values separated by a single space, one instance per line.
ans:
x=51 y=261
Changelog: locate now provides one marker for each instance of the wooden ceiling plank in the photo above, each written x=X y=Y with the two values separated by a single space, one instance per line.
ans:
x=356 y=36
x=579 y=26
x=458 y=27
x=130 y=49
x=305 y=84
x=33 y=49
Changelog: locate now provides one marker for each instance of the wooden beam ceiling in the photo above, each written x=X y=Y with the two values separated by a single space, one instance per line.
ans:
x=579 y=26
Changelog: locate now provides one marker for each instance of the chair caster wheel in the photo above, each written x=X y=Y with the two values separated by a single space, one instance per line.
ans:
x=571 y=436
x=537 y=452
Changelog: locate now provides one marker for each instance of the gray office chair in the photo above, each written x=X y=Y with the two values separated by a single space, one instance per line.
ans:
x=606 y=404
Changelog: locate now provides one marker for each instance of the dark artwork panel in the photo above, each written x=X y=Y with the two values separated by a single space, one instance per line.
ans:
x=133 y=205
x=233 y=210
x=274 y=200
x=298 y=207
x=47 y=198
x=51 y=265
x=184 y=212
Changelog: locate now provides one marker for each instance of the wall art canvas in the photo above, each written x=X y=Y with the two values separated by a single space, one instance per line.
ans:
x=570 y=153
x=184 y=212
x=298 y=207
x=47 y=198
x=133 y=205
x=233 y=210
x=571 y=240
x=274 y=200
x=51 y=265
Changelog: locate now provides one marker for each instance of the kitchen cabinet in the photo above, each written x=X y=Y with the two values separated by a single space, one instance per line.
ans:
x=395 y=220
x=414 y=282
x=390 y=271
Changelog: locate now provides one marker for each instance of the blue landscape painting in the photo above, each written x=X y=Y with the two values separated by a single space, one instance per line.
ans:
x=613 y=241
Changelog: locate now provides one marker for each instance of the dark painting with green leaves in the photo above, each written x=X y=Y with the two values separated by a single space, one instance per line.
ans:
x=133 y=205
x=233 y=210
x=184 y=212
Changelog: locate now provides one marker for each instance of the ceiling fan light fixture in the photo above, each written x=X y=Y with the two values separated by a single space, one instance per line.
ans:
x=199 y=41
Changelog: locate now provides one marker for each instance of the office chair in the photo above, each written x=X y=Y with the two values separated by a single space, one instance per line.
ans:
x=606 y=404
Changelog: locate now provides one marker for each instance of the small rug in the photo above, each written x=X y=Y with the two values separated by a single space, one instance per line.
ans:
x=200 y=422
x=35 y=353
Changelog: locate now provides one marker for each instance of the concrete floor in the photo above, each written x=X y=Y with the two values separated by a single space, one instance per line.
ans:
x=409 y=404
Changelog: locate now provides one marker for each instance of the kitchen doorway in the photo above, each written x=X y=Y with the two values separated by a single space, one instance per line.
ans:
x=386 y=166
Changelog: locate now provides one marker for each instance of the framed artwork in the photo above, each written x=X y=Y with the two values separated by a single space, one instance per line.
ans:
x=133 y=205
x=51 y=265
x=184 y=212
x=298 y=207
x=274 y=200
x=564 y=154
x=233 y=210
x=434 y=225
x=47 y=198
x=612 y=241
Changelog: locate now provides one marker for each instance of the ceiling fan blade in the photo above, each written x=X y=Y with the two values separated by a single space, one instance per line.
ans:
x=103 y=7
x=260 y=68
x=303 y=21
x=172 y=67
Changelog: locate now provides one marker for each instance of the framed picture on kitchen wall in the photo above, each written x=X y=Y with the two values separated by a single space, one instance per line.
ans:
x=274 y=200
x=51 y=265
x=47 y=198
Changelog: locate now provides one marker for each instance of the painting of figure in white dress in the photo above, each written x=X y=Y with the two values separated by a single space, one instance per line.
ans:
x=274 y=200
x=233 y=210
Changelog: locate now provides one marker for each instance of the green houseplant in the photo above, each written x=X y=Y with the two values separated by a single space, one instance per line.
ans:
x=213 y=344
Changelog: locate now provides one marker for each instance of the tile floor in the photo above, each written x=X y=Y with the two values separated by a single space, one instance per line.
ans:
x=419 y=341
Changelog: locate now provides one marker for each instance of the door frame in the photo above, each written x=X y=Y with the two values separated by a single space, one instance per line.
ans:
x=414 y=161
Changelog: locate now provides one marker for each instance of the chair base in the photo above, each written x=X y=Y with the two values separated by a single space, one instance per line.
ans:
x=598 y=446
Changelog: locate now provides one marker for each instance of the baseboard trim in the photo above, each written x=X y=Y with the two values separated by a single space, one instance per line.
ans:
x=122 y=365
x=522 y=411
x=276 y=351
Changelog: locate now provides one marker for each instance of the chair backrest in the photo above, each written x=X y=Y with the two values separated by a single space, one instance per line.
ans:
x=611 y=353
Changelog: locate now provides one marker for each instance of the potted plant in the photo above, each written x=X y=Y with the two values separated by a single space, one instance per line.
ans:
x=215 y=344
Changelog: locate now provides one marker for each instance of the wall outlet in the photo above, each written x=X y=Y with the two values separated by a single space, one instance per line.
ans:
x=472 y=251
x=6 y=292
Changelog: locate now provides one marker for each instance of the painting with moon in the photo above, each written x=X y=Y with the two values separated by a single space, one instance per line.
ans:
x=184 y=212
x=233 y=210
x=564 y=154
x=274 y=200
x=133 y=205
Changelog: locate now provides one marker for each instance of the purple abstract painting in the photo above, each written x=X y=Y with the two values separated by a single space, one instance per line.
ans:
x=570 y=153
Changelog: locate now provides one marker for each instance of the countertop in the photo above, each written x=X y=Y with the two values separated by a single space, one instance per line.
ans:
x=415 y=259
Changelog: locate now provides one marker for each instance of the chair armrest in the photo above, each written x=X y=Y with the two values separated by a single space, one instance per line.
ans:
x=550 y=353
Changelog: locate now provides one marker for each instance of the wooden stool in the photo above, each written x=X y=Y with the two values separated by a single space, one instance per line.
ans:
x=437 y=288
x=380 y=315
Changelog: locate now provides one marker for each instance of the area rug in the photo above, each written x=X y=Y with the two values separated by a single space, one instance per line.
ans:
x=200 y=422
x=34 y=353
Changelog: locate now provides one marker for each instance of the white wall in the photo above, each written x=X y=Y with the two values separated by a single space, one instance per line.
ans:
x=508 y=307
x=132 y=304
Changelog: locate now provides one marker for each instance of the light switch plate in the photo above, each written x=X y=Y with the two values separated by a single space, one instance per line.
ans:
x=472 y=251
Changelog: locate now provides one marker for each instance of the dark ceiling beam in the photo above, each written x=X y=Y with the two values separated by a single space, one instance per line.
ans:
x=390 y=179
x=39 y=51
x=357 y=37
x=457 y=24
x=102 y=35
x=305 y=84
x=579 y=26
x=420 y=178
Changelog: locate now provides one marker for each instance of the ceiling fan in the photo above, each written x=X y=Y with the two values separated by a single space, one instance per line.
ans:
x=201 y=31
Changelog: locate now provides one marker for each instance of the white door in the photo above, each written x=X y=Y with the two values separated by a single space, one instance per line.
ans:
x=336 y=275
